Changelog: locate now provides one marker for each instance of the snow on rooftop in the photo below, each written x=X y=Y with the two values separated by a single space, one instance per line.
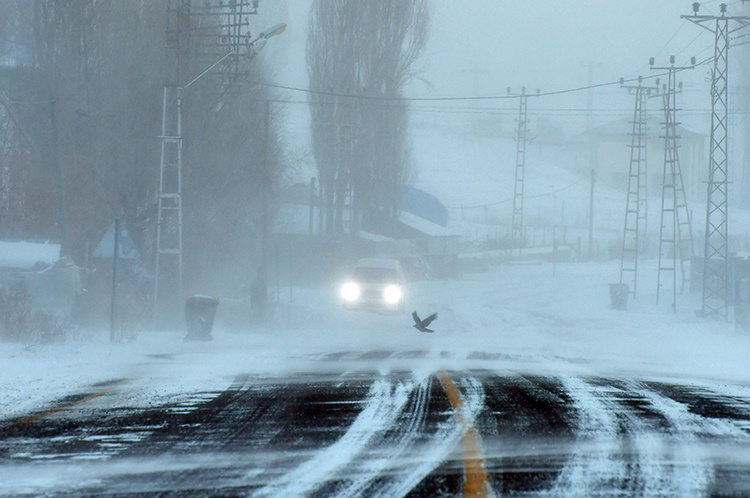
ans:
x=425 y=226
x=24 y=255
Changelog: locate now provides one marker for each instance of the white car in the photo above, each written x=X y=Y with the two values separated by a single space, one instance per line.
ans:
x=376 y=284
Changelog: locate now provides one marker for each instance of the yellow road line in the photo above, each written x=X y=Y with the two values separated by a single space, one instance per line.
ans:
x=475 y=476
x=51 y=411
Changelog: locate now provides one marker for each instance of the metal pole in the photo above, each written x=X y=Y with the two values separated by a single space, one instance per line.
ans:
x=312 y=204
x=716 y=299
x=263 y=273
x=113 y=336
x=59 y=169
x=591 y=214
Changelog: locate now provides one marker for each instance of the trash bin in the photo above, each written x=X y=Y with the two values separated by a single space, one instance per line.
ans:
x=199 y=315
x=618 y=293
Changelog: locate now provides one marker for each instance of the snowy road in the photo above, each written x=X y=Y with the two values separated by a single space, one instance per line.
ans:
x=387 y=433
x=531 y=385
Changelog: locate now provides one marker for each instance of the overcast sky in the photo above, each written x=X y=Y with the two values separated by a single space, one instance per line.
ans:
x=481 y=47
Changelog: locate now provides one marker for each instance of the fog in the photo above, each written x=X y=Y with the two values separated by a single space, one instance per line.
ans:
x=481 y=47
x=459 y=138
x=490 y=158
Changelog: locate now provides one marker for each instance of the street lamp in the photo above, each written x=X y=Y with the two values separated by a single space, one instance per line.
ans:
x=254 y=47
x=259 y=42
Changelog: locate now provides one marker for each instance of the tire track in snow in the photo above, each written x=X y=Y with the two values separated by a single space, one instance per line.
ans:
x=385 y=452
x=383 y=404
x=595 y=465
x=441 y=445
x=380 y=462
x=654 y=451
x=644 y=444
x=690 y=466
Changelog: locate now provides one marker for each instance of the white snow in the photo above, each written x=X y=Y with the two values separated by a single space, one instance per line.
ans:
x=512 y=319
x=22 y=255
x=531 y=321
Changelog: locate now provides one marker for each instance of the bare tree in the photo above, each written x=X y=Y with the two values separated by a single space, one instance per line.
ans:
x=359 y=56
x=90 y=106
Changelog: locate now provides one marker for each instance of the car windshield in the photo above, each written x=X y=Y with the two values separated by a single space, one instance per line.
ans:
x=374 y=275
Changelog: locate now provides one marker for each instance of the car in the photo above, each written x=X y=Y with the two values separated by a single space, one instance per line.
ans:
x=376 y=284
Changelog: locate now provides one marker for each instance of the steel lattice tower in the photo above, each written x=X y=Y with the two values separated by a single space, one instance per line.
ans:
x=716 y=262
x=521 y=132
x=168 y=264
x=635 y=201
x=185 y=23
x=675 y=231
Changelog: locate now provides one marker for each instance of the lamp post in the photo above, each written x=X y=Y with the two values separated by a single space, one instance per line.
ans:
x=170 y=170
x=254 y=47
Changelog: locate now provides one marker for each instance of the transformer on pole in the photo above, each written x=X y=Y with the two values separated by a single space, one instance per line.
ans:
x=675 y=231
x=715 y=256
x=636 y=200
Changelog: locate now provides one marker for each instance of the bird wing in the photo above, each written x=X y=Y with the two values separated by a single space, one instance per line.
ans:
x=429 y=319
x=416 y=318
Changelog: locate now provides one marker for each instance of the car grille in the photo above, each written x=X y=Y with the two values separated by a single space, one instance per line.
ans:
x=372 y=294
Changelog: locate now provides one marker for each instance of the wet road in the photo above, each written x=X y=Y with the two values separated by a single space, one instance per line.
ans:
x=369 y=432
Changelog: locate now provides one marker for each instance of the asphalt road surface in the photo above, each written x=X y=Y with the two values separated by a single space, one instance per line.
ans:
x=369 y=432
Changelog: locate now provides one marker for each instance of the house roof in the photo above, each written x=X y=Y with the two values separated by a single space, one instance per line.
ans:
x=24 y=255
x=299 y=194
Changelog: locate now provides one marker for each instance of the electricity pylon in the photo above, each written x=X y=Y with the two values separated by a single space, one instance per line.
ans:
x=636 y=199
x=675 y=231
x=715 y=253
x=234 y=41
x=518 y=185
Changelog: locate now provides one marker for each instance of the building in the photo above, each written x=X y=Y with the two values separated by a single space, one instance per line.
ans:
x=611 y=156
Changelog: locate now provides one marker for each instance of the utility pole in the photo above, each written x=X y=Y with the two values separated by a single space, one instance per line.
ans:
x=233 y=41
x=518 y=185
x=590 y=94
x=591 y=215
x=675 y=232
x=591 y=150
x=60 y=172
x=715 y=254
x=635 y=200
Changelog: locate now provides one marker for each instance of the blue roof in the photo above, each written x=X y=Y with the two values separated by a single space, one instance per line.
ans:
x=424 y=205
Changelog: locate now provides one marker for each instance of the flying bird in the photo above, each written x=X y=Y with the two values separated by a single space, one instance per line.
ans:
x=422 y=325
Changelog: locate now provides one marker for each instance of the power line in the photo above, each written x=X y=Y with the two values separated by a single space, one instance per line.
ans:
x=500 y=111
x=546 y=194
x=460 y=98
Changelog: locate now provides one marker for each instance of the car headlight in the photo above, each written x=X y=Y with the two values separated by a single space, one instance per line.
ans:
x=350 y=292
x=392 y=294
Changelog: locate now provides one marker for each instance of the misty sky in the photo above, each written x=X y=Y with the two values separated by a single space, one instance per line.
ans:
x=539 y=43
x=481 y=47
